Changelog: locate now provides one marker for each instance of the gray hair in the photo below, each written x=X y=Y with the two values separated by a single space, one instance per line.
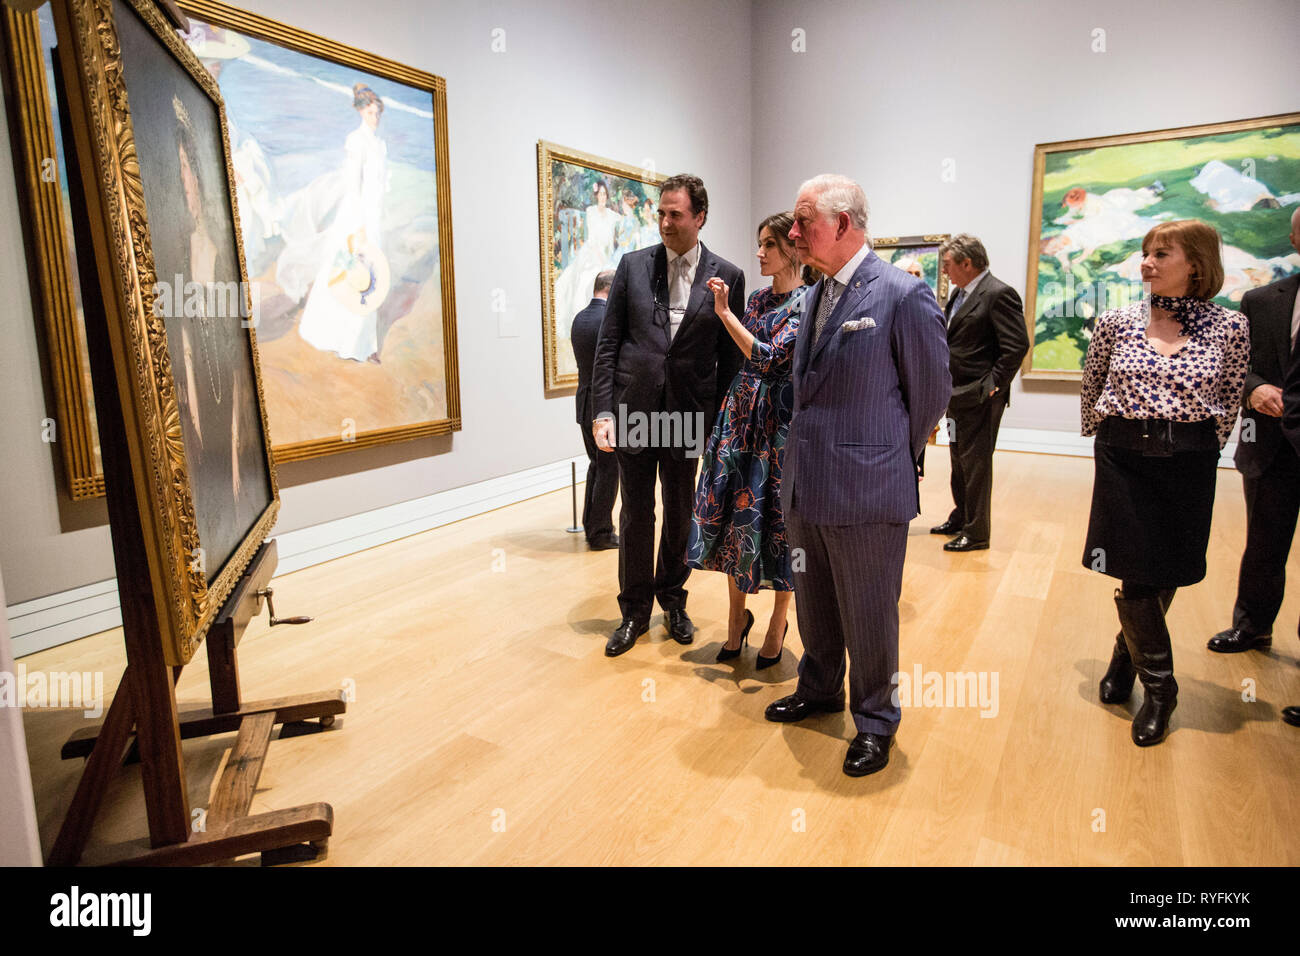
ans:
x=965 y=246
x=837 y=194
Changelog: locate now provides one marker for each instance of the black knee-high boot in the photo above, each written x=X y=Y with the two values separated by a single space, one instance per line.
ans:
x=1149 y=646
x=1117 y=683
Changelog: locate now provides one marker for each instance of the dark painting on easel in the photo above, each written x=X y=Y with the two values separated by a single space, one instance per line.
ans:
x=198 y=291
x=153 y=143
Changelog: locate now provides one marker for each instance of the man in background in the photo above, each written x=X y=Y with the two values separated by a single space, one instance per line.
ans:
x=602 y=470
x=987 y=341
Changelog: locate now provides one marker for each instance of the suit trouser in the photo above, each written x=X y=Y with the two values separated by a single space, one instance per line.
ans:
x=602 y=487
x=847 y=599
x=1272 y=505
x=640 y=581
x=976 y=434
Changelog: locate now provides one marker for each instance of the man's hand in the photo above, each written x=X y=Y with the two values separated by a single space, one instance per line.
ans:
x=602 y=429
x=1267 y=399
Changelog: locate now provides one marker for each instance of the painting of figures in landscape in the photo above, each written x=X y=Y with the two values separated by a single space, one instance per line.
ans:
x=1094 y=200
x=918 y=256
x=338 y=194
x=592 y=213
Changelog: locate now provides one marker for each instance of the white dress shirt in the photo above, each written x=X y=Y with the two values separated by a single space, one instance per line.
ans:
x=681 y=276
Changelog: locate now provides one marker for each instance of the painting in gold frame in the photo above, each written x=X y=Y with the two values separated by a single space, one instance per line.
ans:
x=919 y=256
x=28 y=40
x=590 y=213
x=319 y=402
x=1094 y=199
x=150 y=136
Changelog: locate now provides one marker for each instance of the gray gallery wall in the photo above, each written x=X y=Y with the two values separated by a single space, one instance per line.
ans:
x=912 y=84
x=625 y=80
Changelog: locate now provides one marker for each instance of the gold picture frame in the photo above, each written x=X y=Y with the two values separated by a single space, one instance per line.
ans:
x=570 y=257
x=1130 y=182
x=118 y=224
x=925 y=250
x=51 y=258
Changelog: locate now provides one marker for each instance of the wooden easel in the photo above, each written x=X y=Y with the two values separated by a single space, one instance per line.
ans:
x=145 y=702
x=292 y=835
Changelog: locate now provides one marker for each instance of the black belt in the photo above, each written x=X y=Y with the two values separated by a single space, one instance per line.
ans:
x=1158 y=437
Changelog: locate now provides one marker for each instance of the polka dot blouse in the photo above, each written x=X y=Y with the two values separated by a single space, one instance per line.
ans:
x=1124 y=375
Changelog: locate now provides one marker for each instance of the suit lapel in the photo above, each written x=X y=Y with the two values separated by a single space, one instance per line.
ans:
x=852 y=300
x=968 y=303
x=1285 y=303
x=705 y=269
x=804 y=337
x=657 y=265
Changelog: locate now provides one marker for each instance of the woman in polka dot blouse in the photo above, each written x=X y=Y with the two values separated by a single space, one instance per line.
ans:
x=1161 y=390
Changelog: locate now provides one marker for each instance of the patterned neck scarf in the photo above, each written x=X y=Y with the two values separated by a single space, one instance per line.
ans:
x=1192 y=314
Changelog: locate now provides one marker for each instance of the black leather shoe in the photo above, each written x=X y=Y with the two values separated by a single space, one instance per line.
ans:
x=867 y=754
x=964 y=543
x=1234 y=641
x=789 y=709
x=726 y=654
x=680 y=628
x=621 y=641
x=1291 y=715
x=948 y=527
x=603 y=542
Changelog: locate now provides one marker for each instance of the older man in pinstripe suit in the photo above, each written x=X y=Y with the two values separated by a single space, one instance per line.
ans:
x=871 y=379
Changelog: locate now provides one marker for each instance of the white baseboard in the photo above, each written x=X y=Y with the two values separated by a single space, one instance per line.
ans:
x=59 y=618
x=1043 y=441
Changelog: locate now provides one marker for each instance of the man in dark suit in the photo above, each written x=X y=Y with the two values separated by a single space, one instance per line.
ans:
x=1291 y=414
x=663 y=366
x=1269 y=465
x=870 y=380
x=986 y=342
x=602 y=469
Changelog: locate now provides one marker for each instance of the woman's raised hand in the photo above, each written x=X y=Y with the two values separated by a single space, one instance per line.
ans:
x=720 y=292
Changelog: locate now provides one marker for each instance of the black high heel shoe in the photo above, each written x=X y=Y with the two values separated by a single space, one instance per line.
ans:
x=764 y=662
x=726 y=655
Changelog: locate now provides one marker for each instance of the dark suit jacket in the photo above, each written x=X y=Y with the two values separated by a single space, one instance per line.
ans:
x=987 y=341
x=584 y=335
x=1269 y=310
x=865 y=400
x=639 y=367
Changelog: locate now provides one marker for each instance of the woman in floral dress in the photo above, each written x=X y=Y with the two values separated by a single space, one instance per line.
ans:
x=738 y=527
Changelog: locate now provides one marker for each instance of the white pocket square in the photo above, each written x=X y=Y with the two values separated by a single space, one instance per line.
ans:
x=858 y=324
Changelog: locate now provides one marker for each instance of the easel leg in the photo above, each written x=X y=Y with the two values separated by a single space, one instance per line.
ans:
x=100 y=767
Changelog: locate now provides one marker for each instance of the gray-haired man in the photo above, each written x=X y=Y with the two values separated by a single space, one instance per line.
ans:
x=986 y=342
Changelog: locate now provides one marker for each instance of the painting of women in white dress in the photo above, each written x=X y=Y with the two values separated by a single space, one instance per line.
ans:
x=593 y=214
x=341 y=215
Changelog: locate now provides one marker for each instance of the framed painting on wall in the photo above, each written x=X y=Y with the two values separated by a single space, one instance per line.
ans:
x=41 y=174
x=341 y=162
x=590 y=212
x=332 y=147
x=1094 y=200
x=918 y=255
x=152 y=148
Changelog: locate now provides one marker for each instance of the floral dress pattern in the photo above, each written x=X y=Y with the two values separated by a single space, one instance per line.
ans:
x=737 y=526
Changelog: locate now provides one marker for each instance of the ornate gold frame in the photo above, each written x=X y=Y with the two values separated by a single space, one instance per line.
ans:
x=556 y=384
x=49 y=258
x=264 y=28
x=935 y=239
x=1041 y=150
x=124 y=263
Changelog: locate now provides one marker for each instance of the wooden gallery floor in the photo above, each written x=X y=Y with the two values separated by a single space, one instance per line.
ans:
x=488 y=727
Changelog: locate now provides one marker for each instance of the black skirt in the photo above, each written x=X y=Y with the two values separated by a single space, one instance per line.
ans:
x=1150 y=517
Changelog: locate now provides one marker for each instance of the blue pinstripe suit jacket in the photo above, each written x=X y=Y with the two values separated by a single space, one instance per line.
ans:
x=865 y=400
